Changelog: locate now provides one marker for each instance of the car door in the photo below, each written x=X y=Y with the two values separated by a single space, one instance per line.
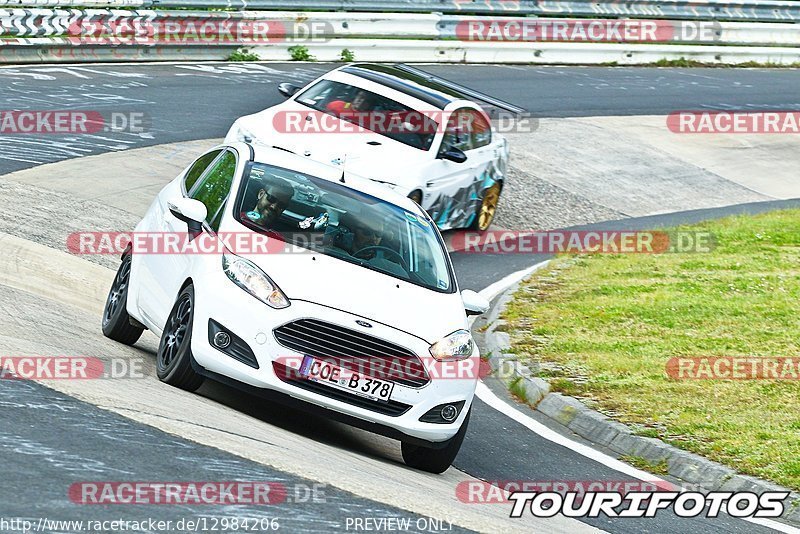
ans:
x=483 y=149
x=484 y=169
x=145 y=268
x=169 y=269
x=447 y=178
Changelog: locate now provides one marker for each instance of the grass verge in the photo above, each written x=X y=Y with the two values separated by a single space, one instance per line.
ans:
x=603 y=327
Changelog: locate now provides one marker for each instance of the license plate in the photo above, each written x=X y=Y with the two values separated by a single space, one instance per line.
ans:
x=330 y=374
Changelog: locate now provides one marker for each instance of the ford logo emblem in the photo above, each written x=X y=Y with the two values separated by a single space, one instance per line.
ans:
x=365 y=324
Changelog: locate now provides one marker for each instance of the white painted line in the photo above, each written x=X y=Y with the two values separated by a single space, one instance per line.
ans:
x=487 y=396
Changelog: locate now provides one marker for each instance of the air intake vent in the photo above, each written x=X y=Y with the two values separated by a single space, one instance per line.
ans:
x=322 y=339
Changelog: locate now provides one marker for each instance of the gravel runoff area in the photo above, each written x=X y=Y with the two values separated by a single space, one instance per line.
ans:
x=530 y=202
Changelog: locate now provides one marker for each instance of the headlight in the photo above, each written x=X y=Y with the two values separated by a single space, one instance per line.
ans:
x=456 y=346
x=249 y=277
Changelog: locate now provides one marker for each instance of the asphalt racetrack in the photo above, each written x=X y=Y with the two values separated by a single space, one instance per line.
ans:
x=57 y=439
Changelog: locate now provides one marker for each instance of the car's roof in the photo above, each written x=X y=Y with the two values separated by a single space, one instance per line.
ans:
x=426 y=87
x=271 y=155
x=429 y=91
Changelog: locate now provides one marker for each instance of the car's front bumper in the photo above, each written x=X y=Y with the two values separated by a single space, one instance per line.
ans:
x=217 y=298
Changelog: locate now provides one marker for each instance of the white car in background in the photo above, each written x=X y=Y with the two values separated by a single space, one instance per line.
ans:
x=452 y=163
x=367 y=278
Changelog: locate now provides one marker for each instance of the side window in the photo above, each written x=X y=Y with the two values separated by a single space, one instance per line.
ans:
x=481 y=129
x=196 y=171
x=215 y=187
x=458 y=133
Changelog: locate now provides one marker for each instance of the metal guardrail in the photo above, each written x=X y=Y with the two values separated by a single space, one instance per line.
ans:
x=61 y=35
x=59 y=50
x=744 y=10
x=26 y=23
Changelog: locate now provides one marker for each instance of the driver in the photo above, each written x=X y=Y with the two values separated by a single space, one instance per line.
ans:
x=361 y=102
x=362 y=234
x=272 y=201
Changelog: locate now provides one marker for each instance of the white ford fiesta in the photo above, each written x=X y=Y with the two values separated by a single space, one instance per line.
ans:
x=356 y=314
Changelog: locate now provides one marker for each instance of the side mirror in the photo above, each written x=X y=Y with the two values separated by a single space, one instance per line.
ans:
x=474 y=304
x=287 y=89
x=191 y=211
x=453 y=154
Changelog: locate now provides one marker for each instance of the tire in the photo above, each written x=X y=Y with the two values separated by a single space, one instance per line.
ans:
x=174 y=358
x=485 y=213
x=116 y=321
x=435 y=460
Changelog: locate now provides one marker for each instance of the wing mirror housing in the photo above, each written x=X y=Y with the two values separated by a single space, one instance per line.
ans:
x=287 y=89
x=453 y=154
x=474 y=304
x=191 y=211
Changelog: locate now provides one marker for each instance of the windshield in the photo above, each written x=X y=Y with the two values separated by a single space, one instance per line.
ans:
x=337 y=221
x=372 y=112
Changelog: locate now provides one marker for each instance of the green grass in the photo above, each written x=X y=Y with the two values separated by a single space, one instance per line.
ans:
x=602 y=328
x=659 y=468
x=300 y=53
x=688 y=63
x=243 y=54
x=517 y=390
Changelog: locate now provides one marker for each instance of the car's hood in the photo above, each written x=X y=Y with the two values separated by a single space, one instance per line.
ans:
x=366 y=153
x=335 y=283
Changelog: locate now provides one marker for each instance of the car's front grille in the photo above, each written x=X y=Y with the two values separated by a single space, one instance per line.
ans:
x=291 y=376
x=327 y=340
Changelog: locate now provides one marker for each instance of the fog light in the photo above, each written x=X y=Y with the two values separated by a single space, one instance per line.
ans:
x=443 y=414
x=222 y=340
x=449 y=413
x=230 y=344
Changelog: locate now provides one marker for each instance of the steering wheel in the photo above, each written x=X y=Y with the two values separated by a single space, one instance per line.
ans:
x=391 y=252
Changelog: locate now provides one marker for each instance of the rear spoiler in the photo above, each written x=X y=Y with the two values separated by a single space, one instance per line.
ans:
x=466 y=91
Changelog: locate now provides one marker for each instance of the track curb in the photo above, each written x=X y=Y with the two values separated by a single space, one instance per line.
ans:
x=688 y=468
